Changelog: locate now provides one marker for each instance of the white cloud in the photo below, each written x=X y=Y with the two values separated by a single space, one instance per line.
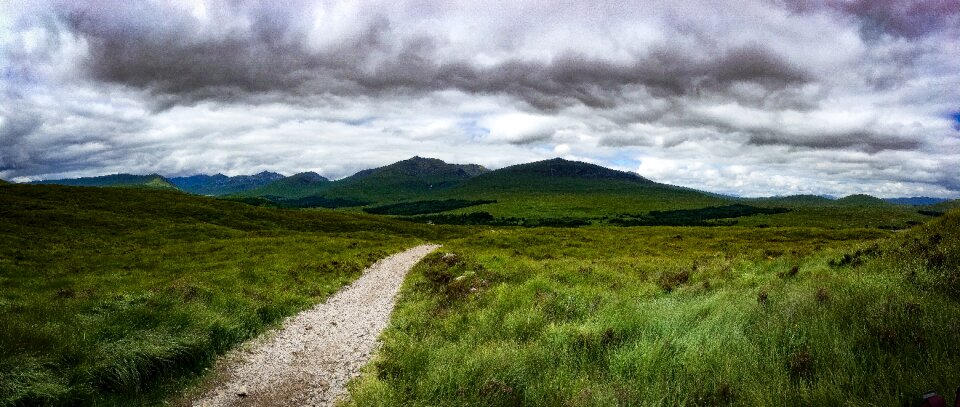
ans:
x=811 y=102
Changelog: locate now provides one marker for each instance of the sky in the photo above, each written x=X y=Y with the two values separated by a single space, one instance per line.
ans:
x=741 y=97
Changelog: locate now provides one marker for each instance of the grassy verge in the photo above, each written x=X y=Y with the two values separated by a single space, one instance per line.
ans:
x=671 y=316
x=118 y=297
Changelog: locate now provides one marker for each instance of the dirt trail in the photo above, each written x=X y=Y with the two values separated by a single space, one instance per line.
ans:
x=309 y=360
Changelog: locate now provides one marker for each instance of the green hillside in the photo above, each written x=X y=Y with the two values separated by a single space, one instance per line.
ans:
x=561 y=193
x=114 y=296
x=152 y=181
x=295 y=186
x=2 y=182
x=861 y=200
x=561 y=188
x=414 y=178
x=676 y=316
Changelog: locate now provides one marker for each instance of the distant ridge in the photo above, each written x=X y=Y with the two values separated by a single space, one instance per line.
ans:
x=295 y=186
x=555 y=175
x=220 y=184
x=152 y=181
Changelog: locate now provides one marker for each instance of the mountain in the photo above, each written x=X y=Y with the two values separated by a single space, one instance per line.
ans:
x=419 y=168
x=414 y=178
x=916 y=200
x=554 y=175
x=563 y=188
x=220 y=184
x=152 y=181
x=295 y=186
x=2 y=182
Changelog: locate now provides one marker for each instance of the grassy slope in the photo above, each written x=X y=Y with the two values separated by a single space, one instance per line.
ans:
x=943 y=206
x=559 y=188
x=654 y=316
x=118 y=296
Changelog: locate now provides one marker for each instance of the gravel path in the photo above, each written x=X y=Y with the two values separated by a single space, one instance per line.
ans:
x=310 y=359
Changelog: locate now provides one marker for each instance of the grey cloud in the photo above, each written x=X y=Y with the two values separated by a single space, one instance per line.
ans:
x=180 y=65
x=17 y=125
x=114 y=85
x=904 y=18
x=865 y=141
x=901 y=18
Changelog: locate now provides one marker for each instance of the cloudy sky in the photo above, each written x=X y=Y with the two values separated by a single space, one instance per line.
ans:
x=743 y=97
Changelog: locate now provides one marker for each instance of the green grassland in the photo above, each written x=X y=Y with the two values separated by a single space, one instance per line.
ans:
x=676 y=316
x=115 y=296
x=120 y=296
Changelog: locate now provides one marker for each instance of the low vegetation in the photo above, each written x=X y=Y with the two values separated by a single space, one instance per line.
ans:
x=118 y=297
x=676 y=316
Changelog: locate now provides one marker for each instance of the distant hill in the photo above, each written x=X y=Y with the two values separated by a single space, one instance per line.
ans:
x=220 y=184
x=554 y=175
x=295 y=186
x=563 y=188
x=861 y=200
x=2 y=182
x=152 y=181
x=916 y=200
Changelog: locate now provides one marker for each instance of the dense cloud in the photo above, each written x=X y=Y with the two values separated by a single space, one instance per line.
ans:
x=832 y=96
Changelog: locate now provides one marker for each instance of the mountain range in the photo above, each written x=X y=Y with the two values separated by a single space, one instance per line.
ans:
x=548 y=188
x=220 y=184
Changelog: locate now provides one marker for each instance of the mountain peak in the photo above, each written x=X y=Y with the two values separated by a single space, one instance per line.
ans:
x=305 y=178
x=562 y=168
x=419 y=167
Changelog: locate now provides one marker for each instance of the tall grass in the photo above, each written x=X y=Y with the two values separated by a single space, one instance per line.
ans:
x=119 y=297
x=676 y=316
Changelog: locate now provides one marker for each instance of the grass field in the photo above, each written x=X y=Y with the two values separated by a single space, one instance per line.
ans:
x=117 y=296
x=121 y=296
x=676 y=316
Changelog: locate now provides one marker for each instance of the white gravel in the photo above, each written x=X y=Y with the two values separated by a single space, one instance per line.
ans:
x=310 y=359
